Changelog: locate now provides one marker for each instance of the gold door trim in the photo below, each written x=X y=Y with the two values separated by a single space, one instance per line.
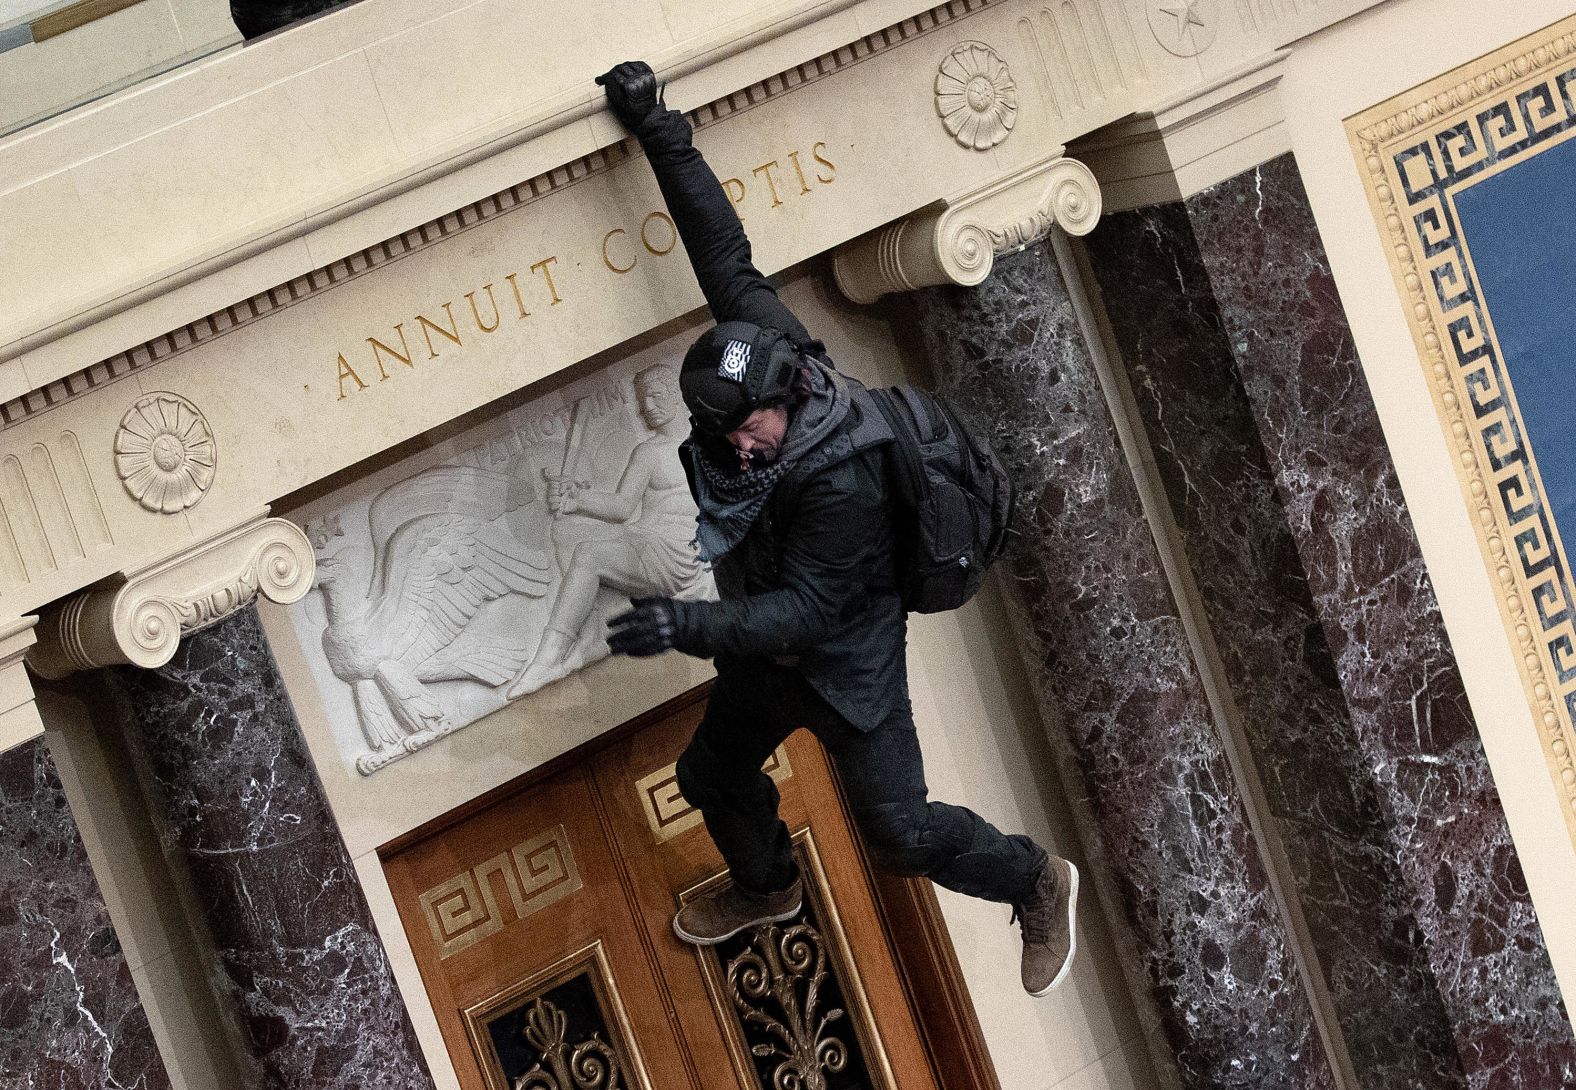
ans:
x=669 y=813
x=591 y=959
x=462 y=910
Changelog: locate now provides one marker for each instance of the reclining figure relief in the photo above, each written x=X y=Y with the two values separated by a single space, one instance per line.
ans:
x=466 y=586
x=655 y=514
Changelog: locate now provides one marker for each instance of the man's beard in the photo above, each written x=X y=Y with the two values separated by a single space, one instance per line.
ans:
x=760 y=457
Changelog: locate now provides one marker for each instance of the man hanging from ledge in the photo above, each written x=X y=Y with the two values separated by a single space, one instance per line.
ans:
x=786 y=464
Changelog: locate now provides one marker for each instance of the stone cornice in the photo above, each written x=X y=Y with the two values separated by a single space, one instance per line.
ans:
x=249 y=269
x=140 y=618
x=554 y=116
x=1192 y=140
x=889 y=137
x=957 y=241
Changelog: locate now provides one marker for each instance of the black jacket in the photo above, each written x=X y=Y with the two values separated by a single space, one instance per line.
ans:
x=813 y=582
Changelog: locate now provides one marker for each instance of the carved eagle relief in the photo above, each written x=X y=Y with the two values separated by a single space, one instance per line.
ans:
x=440 y=552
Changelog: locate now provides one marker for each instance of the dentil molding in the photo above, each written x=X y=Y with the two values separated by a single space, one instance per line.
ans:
x=957 y=240
x=139 y=618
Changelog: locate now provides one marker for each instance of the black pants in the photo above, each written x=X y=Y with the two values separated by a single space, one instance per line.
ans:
x=755 y=704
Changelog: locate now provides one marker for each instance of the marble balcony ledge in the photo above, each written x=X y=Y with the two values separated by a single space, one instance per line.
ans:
x=183 y=195
x=417 y=135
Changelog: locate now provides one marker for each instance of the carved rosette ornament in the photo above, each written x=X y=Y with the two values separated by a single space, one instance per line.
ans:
x=165 y=453
x=141 y=619
x=975 y=96
x=957 y=243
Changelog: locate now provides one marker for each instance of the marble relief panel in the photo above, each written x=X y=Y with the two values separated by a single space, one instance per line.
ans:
x=1471 y=182
x=476 y=572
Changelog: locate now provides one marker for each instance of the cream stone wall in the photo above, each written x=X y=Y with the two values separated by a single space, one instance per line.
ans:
x=984 y=740
x=1326 y=80
x=322 y=143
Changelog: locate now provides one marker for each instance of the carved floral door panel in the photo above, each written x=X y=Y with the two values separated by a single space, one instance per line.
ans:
x=542 y=926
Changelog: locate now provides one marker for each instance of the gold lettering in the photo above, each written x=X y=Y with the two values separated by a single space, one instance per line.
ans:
x=548 y=273
x=771 y=182
x=497 y=318
x=428 y=328
x=804 y=186
x=673 y=234
x=519 y=302
x=345 y=370
x=736 y=198
x=607 y=260
x=378 y=348
x=815 y=150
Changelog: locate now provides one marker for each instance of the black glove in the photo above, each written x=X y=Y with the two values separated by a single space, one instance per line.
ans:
x=649 y=627
x=631 y=92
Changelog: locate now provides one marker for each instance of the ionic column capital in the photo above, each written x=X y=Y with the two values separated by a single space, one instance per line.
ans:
x=140 y=617
x=957 y=240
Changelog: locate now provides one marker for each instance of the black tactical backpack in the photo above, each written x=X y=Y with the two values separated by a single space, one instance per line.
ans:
x=953 y=496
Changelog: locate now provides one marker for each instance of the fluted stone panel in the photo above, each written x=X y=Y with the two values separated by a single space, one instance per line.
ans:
x=1243 y=558
x=1108 y=653
x=244 y=817
x=70 y=1017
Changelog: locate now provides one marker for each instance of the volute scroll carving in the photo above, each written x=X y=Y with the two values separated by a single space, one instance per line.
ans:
x=957 y=241
x=140 y=618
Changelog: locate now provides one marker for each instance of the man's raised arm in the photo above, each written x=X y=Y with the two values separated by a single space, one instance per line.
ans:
x=718 y=248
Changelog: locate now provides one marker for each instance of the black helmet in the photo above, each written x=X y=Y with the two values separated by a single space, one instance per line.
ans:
x=734 y=369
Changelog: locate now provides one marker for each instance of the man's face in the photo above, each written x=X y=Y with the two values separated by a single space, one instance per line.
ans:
x=759 y=440
x=657 y=400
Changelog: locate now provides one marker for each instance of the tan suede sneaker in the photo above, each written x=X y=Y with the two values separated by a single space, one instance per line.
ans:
x=1049 y=922
x=721 y=914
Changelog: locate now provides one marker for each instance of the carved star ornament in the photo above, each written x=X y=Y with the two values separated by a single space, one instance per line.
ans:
x=1184 y=27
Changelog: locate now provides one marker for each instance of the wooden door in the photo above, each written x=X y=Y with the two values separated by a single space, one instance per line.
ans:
x=542 y=924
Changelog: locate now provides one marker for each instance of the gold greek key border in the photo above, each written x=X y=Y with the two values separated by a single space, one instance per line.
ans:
x=1427 y=114
x=818 y=898
x=669 y=813
x=591 y=959
x=537 y=872
x=463 y=219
